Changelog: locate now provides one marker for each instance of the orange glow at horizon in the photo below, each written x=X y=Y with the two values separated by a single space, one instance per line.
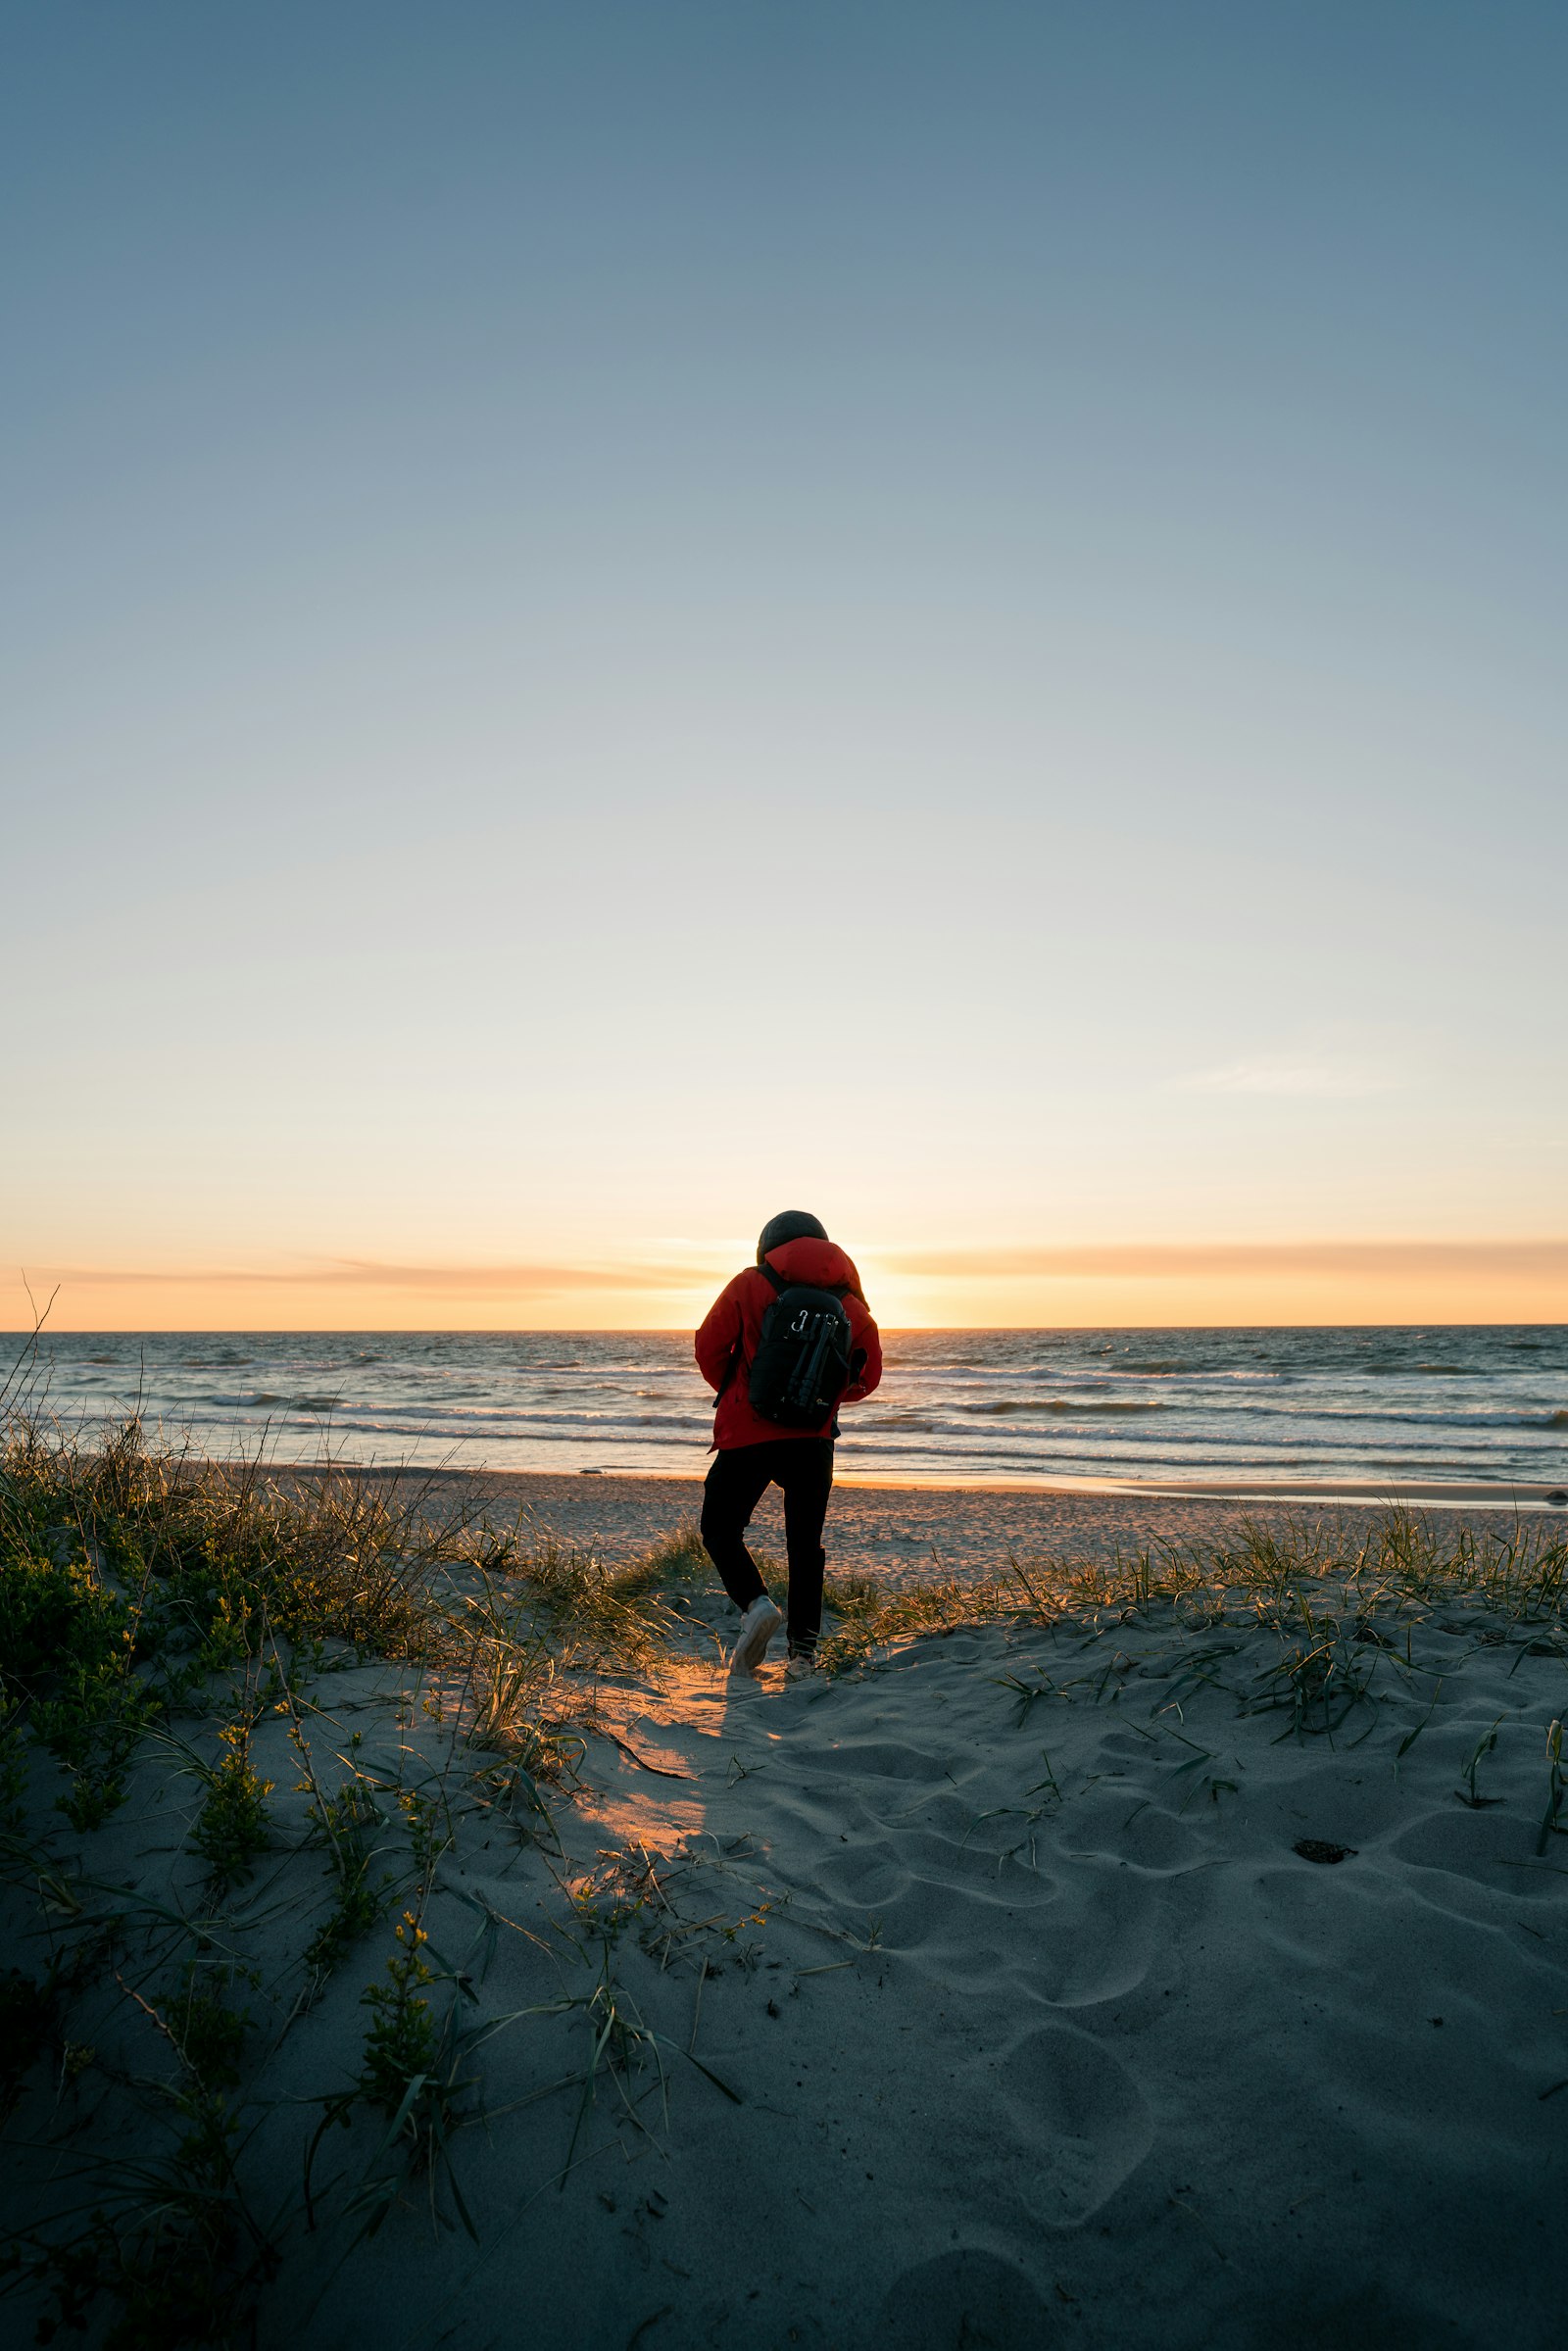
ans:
x=1082 y=1286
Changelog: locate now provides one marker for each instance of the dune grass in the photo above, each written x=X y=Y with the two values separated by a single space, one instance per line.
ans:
x=1366 y=1578
x=162 y=1618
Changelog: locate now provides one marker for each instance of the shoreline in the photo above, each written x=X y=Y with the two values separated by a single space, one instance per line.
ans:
x=1328 y=1493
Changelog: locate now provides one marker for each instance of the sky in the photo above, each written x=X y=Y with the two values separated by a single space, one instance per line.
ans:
x=618 y=617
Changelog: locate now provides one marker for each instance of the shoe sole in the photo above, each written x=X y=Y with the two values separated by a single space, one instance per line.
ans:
x=749 y=1652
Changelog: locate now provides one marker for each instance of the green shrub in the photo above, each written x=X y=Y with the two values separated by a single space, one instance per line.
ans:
x=402 y=2043
x=208 y=2034
x=233 y=1825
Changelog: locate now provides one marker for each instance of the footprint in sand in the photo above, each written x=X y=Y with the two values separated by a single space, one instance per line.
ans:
x=930 y=1917
x=1477 y=1865
x=1103 y=1948
x=862 y=1873
x=1080 y=2117
x=1487 y=1847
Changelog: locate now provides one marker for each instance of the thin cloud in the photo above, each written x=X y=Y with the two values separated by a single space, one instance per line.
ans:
x=1545 y=1260
x=1303 y=1078
x=363 y=1273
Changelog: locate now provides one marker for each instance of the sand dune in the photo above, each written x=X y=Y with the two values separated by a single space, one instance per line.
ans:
x=1184 y=1971
x=1042 y=2029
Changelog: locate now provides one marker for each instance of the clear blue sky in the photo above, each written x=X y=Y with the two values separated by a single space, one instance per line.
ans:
x=618 y=616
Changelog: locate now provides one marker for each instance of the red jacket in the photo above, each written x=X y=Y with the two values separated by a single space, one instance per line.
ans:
x=735 y=1319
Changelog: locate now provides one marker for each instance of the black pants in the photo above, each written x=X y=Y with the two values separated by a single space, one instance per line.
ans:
x=737 y=1482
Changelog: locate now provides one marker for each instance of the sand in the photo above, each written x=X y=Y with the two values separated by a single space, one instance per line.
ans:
x=1024 y=2021
x=1043 y=2032
x=905 y=1534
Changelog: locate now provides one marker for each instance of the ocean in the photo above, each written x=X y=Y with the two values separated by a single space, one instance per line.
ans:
x=1392 y=1407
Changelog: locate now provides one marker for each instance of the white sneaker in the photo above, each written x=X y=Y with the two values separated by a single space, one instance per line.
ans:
x=802 y=1663
x=758 y=1628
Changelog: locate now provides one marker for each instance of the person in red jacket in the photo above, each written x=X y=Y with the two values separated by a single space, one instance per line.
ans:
x=753 y=1454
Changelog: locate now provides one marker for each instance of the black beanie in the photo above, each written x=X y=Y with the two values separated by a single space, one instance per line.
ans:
x=794 y=1224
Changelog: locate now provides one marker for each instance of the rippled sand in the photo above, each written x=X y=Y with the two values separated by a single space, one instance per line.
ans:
x=1036 y=2024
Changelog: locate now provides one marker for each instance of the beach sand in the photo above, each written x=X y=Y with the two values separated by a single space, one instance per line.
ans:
x=1000 y=1992
x=904 y=1534
x=1040 y=2031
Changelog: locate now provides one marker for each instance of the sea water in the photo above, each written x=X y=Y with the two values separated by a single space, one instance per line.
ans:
x=1392 y=1407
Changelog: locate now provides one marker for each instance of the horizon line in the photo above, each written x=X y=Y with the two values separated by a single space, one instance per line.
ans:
x=650 y=1330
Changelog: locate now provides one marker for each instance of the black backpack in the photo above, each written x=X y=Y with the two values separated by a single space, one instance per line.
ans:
x=803 y=1362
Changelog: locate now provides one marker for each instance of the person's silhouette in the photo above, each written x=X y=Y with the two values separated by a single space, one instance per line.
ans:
x=839 y=1359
